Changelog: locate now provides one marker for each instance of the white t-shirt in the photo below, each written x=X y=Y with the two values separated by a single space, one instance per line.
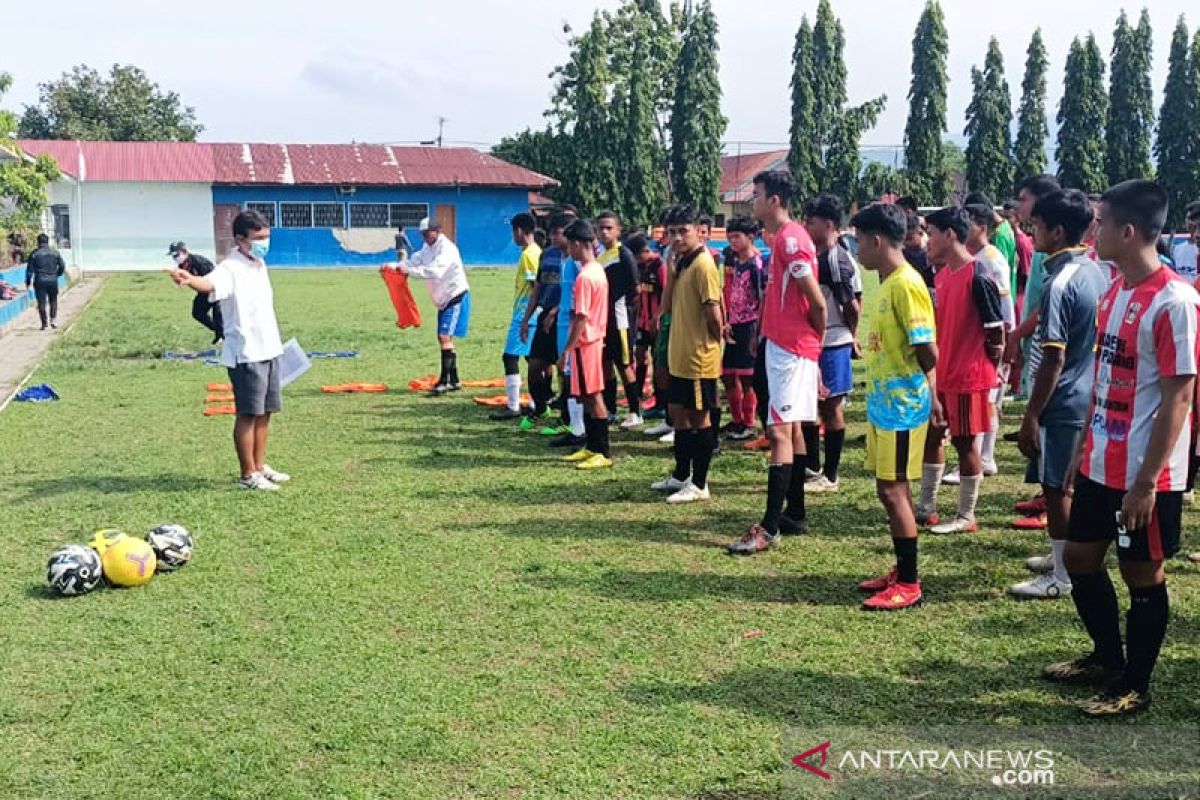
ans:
x=1184 y=256
x=243 y=288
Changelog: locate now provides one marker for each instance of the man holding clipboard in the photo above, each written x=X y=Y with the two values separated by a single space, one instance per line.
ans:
x=252 y=350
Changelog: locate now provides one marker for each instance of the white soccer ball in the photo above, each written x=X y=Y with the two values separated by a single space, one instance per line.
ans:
x=74 y=570
x=172 y=545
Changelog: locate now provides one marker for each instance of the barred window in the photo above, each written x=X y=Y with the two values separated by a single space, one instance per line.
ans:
x=408 y=214
x=369 y=215
x=266 y=209
x=329 y=215
x=296 y=215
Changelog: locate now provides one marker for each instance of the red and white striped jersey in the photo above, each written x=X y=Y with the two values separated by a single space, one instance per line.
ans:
x=1145 y=333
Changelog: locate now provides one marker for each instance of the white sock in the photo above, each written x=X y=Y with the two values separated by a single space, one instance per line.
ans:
x=512 y=388
x=575 y=412
x=988 y=449
x=1060 y=566
x=968 y=495
x=931 y=478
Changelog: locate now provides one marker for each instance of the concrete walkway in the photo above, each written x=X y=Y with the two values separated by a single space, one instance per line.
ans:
x=23 y=344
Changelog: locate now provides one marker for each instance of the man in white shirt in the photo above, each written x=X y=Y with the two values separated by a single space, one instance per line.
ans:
x=440 y=263
x=1184 y=253
x=252 y=348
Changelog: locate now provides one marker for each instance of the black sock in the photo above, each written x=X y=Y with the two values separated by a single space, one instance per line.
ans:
x=906 y=559
x=703 y=443
x=633 y=393
x=590 y=433
x=1145 y=627
x=812 y=444
x=640 y=376
x=715 y=416
x=444 y=377
x=512 y=364
x=833 y=452
x=795 y=510
x=601 y=437
x=1193 y=466
x=683 y=455
x=453 y=374
x=1096 y=602
x=779 y=477
x=610 y=394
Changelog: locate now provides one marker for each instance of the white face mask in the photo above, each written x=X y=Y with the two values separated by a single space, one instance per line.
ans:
x=180 y=258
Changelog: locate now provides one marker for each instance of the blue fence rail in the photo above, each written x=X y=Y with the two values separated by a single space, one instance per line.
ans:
x=11 y=309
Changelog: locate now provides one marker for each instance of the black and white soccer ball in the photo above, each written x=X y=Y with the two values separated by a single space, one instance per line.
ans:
x=172 y=545
x=74 y=570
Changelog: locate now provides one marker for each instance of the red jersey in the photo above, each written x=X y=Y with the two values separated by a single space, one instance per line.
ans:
x=591 y=300
x=1146 y=332
x=785 y=309
x=968 y=303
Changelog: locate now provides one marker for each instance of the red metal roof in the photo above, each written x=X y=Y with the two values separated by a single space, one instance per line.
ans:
x=737 y=172
x=285 y=164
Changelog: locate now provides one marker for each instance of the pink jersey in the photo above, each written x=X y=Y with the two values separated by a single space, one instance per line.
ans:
x=1146 y=332
x=785 y=309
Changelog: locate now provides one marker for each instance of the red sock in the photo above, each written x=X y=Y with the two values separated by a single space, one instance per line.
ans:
x=749 y=406
x=733 y=392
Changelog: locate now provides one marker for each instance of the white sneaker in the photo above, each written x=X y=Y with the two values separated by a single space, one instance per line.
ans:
x=631 y=422
x=689 y=493
x=809 y=474
x=952 y=478
x=1040 y=564
x=990 y=468
x=257 y=481
x=668 y=438
x=668 y=484
x=820 y=485
x=956 y=525
x=1043 y=587
x=658 y=430
x=273 y=476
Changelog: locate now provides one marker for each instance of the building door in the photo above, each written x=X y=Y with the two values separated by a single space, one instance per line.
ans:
x=447 y=215
x=223 y=228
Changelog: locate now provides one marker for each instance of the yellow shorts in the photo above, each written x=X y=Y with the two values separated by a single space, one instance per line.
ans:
x=896 y=455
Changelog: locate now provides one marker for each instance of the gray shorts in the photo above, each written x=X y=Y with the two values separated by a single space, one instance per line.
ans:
x=256 y=389
x=1056 y=447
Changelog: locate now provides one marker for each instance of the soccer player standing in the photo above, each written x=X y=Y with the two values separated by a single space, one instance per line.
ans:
x=517 y=346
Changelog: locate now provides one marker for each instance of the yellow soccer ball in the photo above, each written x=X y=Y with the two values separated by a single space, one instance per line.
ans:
x=127 y=561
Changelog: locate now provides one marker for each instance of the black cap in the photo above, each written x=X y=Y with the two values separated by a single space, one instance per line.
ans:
x=175 y=248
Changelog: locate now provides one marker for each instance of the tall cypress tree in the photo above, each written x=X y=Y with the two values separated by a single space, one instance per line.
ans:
x=1131 y=103
x=642 y=186
x=1082 y=115
x=989 y=117
x=804 y=148
x=843 y=159
x=592 y=168
x=829 y=80
x=1178 y=145
x=1029 y=153
x=697 y=125
x=924 y=163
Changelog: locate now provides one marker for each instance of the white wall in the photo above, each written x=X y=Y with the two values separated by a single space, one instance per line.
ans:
x=127 y=226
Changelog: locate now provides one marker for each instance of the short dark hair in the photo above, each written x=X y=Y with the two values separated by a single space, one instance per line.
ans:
x=637 y=244
x=614 y=216
x=825 y=206
x=580 y=231
x=909 y=202
x=883 y=219
x=681 y=214
x=704 y=221
x=540 y=238
x=1142 y=204
x=981 y=214
x=746 y=225
x=912 y=219
x=1011 y=205
x=978 y=199
x=43 y=240
x=1039 y=185
x=249 y=221
x=1193 y=210
x=1069 y=209
x=777 y=183
x=524 y=222
x=561 y=220
x=951 y=218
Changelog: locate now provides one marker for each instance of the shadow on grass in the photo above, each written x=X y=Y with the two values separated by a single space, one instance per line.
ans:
x=37 y=490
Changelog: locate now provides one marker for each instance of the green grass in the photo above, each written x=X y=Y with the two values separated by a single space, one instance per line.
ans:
x=434 y=608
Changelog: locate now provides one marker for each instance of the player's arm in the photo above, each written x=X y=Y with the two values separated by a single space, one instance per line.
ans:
x=194 y=282
x=422 y=265
x=986 y=296
x=669 y=283
x=1054 y=328
x=578 y=320
x=1138 y=505
x=808 y=287
x=927 y=358
x=714 y=319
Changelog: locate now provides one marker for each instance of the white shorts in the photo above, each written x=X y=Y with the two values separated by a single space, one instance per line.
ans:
x=792 y=383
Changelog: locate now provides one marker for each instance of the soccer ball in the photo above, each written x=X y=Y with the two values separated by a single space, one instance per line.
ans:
x=172 y=546
x=74 y=570
x=127 y=561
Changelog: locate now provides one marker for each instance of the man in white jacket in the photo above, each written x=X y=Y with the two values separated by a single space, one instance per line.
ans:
x=440 y=263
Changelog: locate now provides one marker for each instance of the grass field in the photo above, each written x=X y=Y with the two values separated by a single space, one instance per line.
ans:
x=434 y=608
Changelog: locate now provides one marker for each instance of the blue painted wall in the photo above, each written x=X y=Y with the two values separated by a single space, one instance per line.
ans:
x=11 y=309
x=482 y=217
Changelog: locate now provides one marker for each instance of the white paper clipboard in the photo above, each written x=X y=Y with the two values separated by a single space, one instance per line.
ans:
x=293 y=363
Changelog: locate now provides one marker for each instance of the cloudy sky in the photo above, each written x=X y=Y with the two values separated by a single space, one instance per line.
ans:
x=306 y=71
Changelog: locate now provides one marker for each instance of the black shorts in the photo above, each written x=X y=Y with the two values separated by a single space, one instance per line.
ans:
x=617 y=349
x=694 y=394
x=1094 y=519
x=740 y=354
x=544 y=346
x=646 y=339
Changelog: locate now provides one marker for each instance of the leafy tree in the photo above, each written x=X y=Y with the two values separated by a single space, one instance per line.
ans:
x=924 y=167
x=1178 y=145
x=1082 y=115
x=989 y=119
x=697 y=125
x=1029 y=152
x=1130 y=103
x=23 y=181
x=804 y=152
